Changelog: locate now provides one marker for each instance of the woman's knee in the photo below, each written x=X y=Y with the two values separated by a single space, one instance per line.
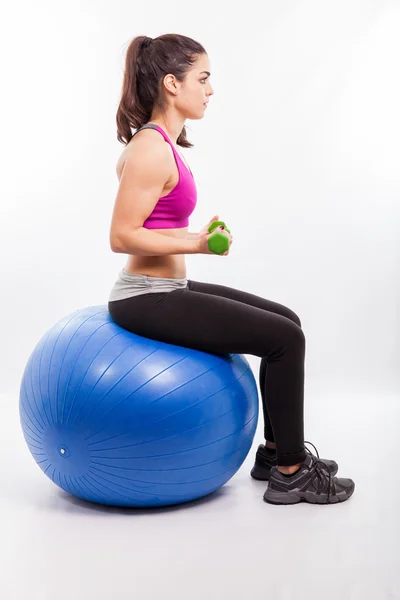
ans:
x=293 y=335
x=288 y=337
x=290 y=314
x=295 y=318
x=288 y=330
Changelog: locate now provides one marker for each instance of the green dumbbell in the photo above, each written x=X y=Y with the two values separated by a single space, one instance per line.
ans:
x=218 y=243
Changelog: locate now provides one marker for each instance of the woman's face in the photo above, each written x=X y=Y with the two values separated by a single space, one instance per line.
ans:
x=194 y=92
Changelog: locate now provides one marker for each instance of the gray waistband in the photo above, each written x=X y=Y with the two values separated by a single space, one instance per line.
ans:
x=132 y=284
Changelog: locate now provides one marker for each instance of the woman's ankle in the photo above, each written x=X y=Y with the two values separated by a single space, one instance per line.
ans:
x=289 y=470
x=270 y=445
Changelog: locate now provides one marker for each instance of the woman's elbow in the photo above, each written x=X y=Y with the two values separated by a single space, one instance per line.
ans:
x=116 y=244
x=124 y=241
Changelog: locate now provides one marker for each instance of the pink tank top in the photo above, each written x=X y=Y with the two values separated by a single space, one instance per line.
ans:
x=174 y=209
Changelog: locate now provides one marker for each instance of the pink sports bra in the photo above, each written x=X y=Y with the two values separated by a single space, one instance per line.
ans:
x=174 y=209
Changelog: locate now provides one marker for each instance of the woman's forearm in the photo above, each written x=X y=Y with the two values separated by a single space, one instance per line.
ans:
x=192 y=236
x=145 y=242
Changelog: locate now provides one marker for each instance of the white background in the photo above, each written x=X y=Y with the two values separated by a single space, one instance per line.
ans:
x=298 y=153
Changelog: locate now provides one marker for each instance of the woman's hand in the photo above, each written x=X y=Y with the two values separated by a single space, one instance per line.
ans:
x=202 y=243
x=205 y=228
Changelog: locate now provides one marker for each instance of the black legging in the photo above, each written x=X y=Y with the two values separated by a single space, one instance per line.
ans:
x=219 y=319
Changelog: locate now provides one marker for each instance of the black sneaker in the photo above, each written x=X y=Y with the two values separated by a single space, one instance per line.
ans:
x=311 y=483
x=266 y=459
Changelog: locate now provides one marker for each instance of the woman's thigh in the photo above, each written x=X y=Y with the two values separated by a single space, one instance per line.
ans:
x=206 y=322
x=245 y=297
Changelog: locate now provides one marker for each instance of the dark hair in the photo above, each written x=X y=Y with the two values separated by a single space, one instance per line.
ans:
x=146 y=64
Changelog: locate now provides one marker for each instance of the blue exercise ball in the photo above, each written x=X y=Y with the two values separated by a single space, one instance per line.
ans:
x=123 y=420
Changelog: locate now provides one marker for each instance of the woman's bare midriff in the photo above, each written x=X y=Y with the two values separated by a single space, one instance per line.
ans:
x=172 y=265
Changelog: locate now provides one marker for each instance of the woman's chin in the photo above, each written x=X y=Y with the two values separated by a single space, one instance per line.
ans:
x=195 y=116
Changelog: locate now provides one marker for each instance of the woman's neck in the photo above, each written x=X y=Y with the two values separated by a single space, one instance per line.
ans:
x=172 y=126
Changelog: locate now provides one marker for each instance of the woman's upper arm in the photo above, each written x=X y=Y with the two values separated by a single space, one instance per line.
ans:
x=146 y=171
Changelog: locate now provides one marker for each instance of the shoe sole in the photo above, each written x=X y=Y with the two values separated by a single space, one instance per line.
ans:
x=261 y=473
x=286 y=498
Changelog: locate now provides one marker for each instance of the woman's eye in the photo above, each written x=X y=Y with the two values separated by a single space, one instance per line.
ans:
x=203 y=80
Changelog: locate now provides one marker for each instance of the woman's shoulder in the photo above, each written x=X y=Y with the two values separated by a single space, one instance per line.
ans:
x=145 y=142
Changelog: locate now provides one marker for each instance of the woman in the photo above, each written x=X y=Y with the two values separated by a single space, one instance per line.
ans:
x=166 y=81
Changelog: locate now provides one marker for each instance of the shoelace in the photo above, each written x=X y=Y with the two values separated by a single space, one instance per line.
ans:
x=309 y=451
x=324 y=478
